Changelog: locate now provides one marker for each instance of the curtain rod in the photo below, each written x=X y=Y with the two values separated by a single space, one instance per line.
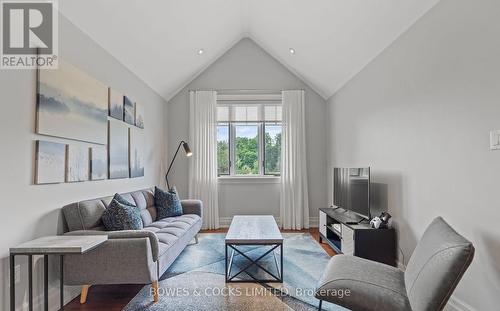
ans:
x=246 y=90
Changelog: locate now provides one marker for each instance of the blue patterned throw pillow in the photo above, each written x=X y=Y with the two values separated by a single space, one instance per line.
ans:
x=167 y=203
x=121 y=215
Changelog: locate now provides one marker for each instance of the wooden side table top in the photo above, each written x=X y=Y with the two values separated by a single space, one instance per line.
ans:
x=60 y=244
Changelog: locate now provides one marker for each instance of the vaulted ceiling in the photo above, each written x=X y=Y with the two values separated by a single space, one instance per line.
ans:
x=159 y=40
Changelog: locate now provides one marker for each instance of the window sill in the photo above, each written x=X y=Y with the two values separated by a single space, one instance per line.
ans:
x=257 y=179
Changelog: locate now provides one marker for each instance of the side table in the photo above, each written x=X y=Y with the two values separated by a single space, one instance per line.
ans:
x=50 y=245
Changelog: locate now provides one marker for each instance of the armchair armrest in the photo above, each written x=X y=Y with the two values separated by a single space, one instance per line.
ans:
x=192 y=207
x=124 y=234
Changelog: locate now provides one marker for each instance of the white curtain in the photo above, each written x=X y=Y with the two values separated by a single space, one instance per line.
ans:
x=294 y=198
x=203 y=164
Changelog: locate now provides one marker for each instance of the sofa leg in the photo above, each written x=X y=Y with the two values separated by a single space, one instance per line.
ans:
x=320 y=305
x=85 y=291
x=154 y=286
x=196 y=239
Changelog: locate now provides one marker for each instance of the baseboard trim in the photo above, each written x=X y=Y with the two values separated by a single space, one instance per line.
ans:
x=455 y=304
x=313 y=222
x=70 y=293
x=401 y=266
x=224 y=222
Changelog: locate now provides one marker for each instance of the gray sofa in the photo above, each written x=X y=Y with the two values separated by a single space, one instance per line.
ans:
x=131 y=256
x=434 y=270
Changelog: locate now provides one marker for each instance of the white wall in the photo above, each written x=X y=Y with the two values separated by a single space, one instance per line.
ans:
x=258 y=196
x=30 y=211
x=247 y=66
x=420 y=115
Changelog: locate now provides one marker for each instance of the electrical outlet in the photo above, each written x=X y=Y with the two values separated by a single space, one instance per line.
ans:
x=17 y=273
x=495 y=140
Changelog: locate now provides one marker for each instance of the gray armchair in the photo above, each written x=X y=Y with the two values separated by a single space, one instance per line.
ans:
x=433 y=271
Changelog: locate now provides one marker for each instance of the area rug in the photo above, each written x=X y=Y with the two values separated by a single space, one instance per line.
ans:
x=195 y=281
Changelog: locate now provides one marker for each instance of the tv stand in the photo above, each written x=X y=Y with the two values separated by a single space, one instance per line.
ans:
x=351 y=237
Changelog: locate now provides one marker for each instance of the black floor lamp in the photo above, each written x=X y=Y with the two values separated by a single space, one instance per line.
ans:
x=188 y=154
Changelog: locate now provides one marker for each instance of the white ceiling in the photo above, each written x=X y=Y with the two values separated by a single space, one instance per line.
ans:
x=158 y=39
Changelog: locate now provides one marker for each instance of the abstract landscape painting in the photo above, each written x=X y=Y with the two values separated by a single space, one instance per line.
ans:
x=71 y=104
x=128 y=111
x=115 y=104
x=136 y=152
x=50 y=162
x=118 y=150
x=139 y=115
x=77 y=163
x=98 y=163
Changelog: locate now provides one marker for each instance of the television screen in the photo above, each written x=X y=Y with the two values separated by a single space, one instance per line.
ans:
x=351 y=190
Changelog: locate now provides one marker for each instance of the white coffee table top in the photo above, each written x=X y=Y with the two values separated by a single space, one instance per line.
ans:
x=253 y=230
x=60 y=244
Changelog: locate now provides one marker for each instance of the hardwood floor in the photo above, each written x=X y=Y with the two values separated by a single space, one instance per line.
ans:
x=106 y=297
x=116 y=297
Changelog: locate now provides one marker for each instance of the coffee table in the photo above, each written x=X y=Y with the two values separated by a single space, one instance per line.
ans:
x=258 y=231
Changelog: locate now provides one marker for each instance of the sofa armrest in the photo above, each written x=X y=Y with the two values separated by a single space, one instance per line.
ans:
x=116 y=261
x=124 y=234
x=192 y=207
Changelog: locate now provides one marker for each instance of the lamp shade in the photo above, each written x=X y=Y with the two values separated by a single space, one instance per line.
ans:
x=188 y=153
x=187 y=149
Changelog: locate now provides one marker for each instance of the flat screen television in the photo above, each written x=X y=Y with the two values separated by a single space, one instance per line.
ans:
x=351 y=190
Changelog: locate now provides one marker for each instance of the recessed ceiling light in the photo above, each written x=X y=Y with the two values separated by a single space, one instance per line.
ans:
x=292 y=51
x=200 y=51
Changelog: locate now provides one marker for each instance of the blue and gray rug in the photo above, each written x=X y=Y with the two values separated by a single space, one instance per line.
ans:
x=196 y=279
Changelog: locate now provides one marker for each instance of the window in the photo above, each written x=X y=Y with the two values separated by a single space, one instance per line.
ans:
x=223 y=148
x=246 y=149
x=272 y=147
x=249 y=139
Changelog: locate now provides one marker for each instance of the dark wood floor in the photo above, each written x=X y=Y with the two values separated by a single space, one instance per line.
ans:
x=116 y=297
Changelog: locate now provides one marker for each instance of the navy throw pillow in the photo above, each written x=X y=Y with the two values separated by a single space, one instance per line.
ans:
x=167 y=203
x=122 y=216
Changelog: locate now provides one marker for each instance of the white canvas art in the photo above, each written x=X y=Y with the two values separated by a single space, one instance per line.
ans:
x=50 y=162
x=118 y=150
x=71 y=104
x=136 y=152
x=77 y=163
x=98 y=163
x=139 y=115
x=115 y=104
x=128 y=110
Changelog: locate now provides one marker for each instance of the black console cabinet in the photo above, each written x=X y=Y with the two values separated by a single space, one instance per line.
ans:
x=359 y=240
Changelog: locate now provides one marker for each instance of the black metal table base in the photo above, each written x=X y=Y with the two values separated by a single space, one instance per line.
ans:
x=274 y=278
x=30 y=281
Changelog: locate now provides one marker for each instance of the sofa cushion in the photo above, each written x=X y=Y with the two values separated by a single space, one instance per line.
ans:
x=120 y=199
x=83 y=215
x=149 y=213
x=139 y=199
x=121 y=216
x=86 y=215
x=169 y=230
x=167 y=203
x=371 y=285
